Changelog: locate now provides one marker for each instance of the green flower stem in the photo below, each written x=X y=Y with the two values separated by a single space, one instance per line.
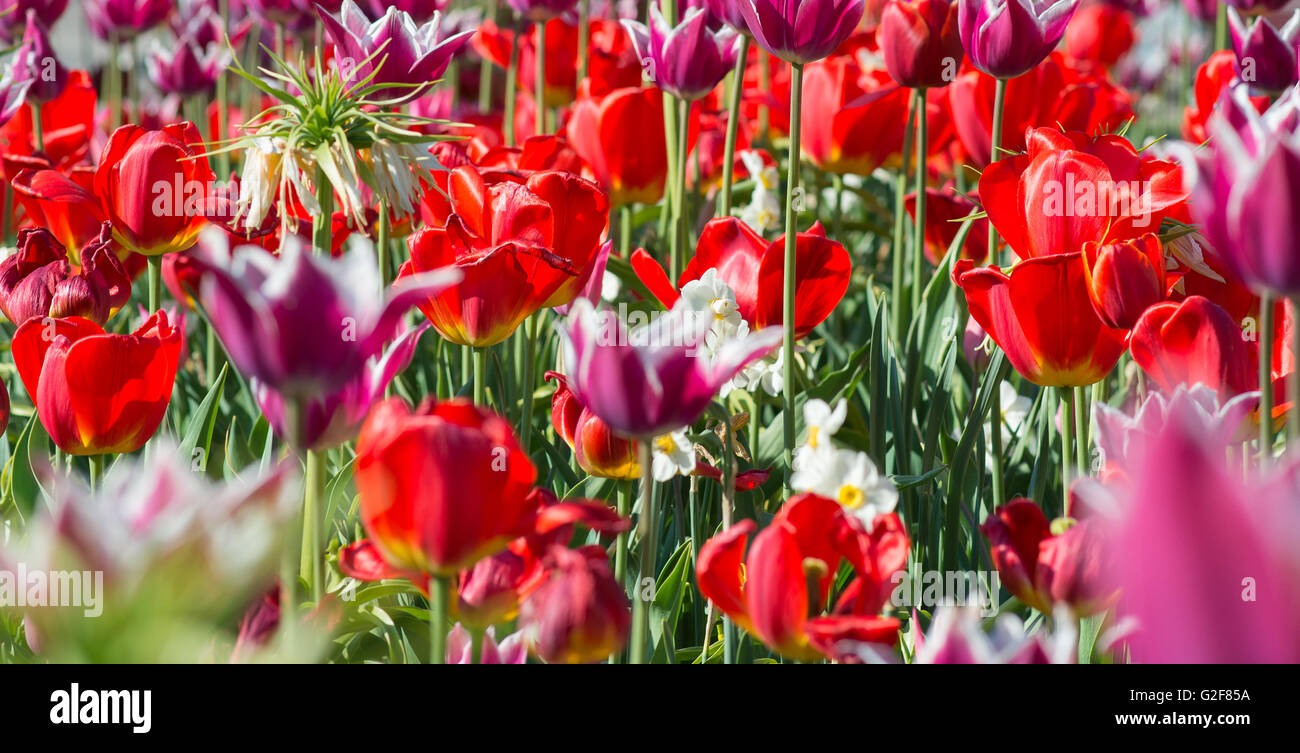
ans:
x=918 y=247
x=995 y=149
x=733 y=126
x=480 y=376
x=439 y=611
x=584 y=31
x=382 y=250
x=620 y=549
x=624 y=231
x=1081 y=447
x=531 y=326
x=995 y=139
x=896 y=251
x=791 y=232
x=539 y=91
x=1067 y=442
x=309 y=562
x=1266 y=380
x=322 y=225
x=96 y=471
x=647 y=533
x=681 y=222
x=38 y=129
x=512 y=87
x=155 y=282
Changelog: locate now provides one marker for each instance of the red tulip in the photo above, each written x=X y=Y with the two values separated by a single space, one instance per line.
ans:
x=96 y=392
x=788 y=572
x=944 y=211
x=67 y=124
x=151 y=185
x=521 y=247
x=1099 y=34
x=852 y=119
x=1052 y=93
x=598 y=450
x=754 y=270
x=1125 y=278
x=1212 y=78
x=1042 y=316
x=1041 y=568
x=920 y=42
x=1192 y=342
x=620 y=137
x=442 y=487
x=1069 y=189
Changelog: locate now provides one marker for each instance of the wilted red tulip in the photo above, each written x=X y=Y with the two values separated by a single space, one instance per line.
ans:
x=1193 y=342
x=753 y=269
x=597 y=449
x=1069 y=189
x=581 y=614
x=96 y=392
x=38 y=281
x=1041 y=567
x=852 y=119
x=778 y=590
x=920 y=42
x=1042 y=316
x=1125 y=278
x=442 y=487
x=620 y=137
x=521 y=247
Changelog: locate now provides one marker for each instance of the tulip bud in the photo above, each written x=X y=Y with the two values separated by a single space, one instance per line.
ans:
x=581 y=614
x=920 y=43
x=1125 y=278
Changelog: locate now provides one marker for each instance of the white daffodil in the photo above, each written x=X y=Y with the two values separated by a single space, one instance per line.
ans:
x=1015 y=408
x=763 y=213
x=849 y=477
x=823 y=421
x=672 y=455
x=708 y=293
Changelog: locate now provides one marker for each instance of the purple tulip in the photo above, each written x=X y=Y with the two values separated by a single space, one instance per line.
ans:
x=393 y=49
x=727 y=11
x=1255 y=7
x=300 y=324
x=48 y=76
x=1244 y=186
x=686 y=60
x=330 y=419
x=1266 y=56
x=14 y=12
x=540 y=11
x=420 y=10
x=460 y=646
x=14 y=83
x=653 y=379
x=957 y=636
x=186 y=68
x=126 y=18
x=293 y=15
x=1205 y=561
x=1006 y=38
x=801 y=31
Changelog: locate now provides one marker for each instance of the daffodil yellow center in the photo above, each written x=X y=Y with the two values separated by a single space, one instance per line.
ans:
x=850 y=496
x=666 y=444
x=812 y=436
